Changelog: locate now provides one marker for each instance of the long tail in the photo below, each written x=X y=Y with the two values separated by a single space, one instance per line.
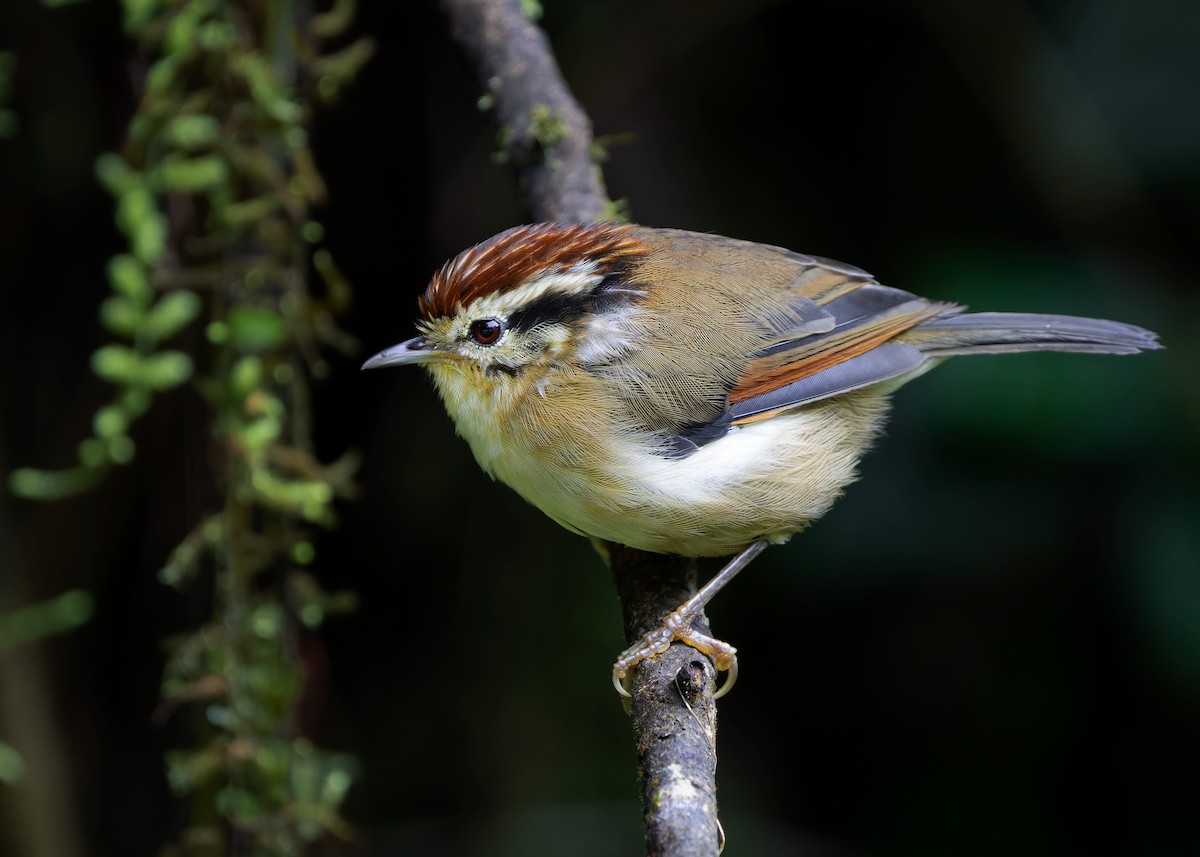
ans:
x=1008 y=332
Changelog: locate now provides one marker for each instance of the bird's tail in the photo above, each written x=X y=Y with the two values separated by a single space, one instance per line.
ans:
x=1009 y=332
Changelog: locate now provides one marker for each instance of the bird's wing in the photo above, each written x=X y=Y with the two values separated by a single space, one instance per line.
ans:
x=778 y=329
x=859 y=351
x=793 y=329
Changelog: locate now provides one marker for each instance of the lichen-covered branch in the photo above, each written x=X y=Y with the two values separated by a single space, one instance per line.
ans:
x=543 y=134
x=547 y=140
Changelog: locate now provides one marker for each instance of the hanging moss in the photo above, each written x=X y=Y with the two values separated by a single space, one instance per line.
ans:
x=213 y=193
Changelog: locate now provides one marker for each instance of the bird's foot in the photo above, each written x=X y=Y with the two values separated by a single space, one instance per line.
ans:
x=677 y=626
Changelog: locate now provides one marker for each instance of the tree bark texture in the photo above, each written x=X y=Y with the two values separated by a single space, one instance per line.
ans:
x=673 y=713
x=545 y=135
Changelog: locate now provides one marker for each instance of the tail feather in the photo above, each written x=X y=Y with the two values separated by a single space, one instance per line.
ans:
x=1005 y=333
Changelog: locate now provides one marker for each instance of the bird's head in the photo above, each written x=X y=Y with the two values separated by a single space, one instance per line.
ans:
x=495 y=318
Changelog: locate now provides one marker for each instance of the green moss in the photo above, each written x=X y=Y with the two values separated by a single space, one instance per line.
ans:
x=546 y=125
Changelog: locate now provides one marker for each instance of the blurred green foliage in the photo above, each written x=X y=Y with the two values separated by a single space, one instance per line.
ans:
x=29 y=624
x=38 y=621
x=213 y=190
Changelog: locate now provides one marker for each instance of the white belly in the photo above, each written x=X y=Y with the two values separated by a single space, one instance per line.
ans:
x=768 y=479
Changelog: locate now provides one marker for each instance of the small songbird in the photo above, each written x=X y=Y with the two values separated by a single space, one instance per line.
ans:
x=687 y=393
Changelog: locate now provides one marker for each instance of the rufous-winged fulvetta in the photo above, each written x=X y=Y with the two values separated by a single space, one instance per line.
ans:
x=687 y=393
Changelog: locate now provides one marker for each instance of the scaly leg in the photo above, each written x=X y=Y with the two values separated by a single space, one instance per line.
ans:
x=678 y=626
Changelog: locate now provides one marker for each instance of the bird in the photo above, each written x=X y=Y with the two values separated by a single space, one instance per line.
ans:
x=688 y=393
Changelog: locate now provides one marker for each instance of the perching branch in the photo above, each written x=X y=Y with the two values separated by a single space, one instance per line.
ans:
x=547 y=139
x=673 y=713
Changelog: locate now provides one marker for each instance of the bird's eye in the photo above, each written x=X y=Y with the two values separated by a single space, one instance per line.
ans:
x=486 y=331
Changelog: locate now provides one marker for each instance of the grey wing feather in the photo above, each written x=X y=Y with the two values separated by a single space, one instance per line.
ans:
x=1008 y=332
x=867 y=301
x=885 y=362
x=862 y=305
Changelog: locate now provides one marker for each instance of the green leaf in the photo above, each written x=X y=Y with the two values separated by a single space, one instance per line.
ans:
x=117 y=364
x=114 y=173
x=161 y=75
x=217 y=332
x=246 y=377
x=216 y=35
x=36 y=484
x=126 y=276
x=138 y=13
x=308 y=498
x=256 y=329
x=120 y=448
x=134 y=401
x=180 y=36
x=268 y=92
x=312 y=232
x=165 y=370
x=110 y=421
x=120 y=315
x=249 y=210
x=193 y=175
x=267 y=620
x=144 y=225
x=38 y=621
x=92 y=452
x=171 y=314
x=335 y=70
x=192 y=132
x=260 y=432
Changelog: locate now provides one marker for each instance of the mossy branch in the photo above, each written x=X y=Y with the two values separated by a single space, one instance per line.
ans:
x=544 y=135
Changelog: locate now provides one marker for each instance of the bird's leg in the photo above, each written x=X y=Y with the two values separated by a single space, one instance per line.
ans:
x=678 y=626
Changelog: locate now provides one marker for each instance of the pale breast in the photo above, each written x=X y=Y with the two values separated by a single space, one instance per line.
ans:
x=766 y=479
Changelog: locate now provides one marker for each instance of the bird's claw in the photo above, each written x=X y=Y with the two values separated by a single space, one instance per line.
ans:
x=659 y=640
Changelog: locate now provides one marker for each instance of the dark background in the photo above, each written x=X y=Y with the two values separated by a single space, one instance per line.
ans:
x=990 y=646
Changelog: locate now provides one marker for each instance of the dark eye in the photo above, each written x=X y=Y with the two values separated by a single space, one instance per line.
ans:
x=486 y=331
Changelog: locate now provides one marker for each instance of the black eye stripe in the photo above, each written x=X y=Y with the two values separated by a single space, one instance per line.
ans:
x=565 y=308
x=551 y=309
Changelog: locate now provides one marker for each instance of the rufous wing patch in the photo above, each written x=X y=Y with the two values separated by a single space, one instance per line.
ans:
x=819 y=353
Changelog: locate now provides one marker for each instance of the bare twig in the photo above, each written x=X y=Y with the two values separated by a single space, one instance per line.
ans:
x=547 y=139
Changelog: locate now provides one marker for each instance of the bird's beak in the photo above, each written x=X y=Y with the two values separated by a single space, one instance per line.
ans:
x=415 y=350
